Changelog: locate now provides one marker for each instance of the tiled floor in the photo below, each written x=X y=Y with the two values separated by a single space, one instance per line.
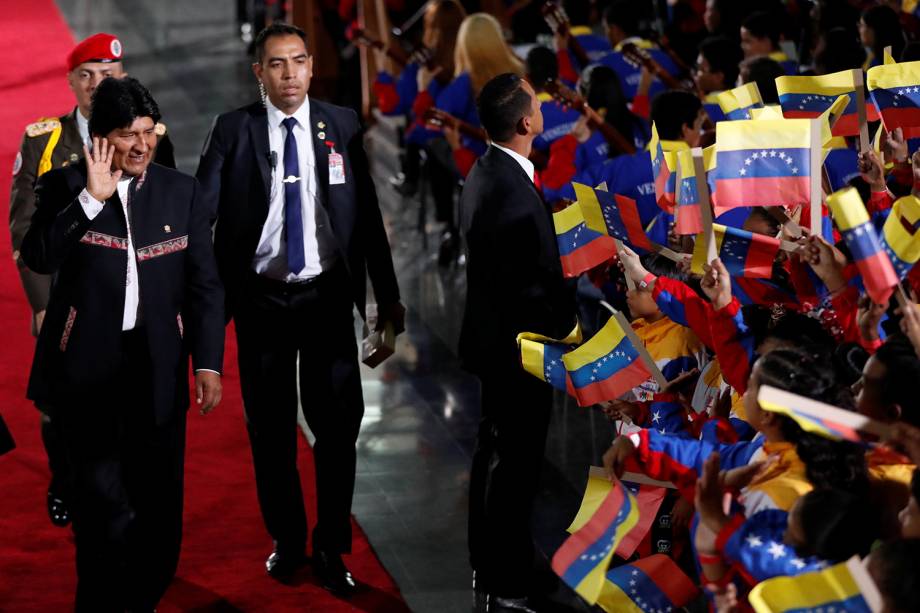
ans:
x=421 y=409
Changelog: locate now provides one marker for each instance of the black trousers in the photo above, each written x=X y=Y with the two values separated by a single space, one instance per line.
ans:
x=127 y=484
x=504 y=479
x=279 y=326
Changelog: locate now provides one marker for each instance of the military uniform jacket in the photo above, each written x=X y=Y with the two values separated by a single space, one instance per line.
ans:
x=48 y=144
x=181 y=297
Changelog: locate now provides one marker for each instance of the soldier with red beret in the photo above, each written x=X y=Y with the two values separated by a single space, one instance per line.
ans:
x=54 y=142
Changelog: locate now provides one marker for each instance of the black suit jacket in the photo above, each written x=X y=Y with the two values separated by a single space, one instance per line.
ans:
x=181 y=297
x=235 y=175
x=514 y=276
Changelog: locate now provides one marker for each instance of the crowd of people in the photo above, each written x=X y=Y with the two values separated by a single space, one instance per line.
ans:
x=130 y=266
x=605 y=74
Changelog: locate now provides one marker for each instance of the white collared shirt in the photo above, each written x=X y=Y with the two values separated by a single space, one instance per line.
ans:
x=92 y=208
x=83 y=128
x=270 y=258
x=526 y=164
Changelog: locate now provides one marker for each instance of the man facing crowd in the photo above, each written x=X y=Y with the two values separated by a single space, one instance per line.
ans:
x=56 y=142
x=298 y=230
x=136 y=290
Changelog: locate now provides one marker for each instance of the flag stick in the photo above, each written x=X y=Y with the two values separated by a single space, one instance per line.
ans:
x=702 y=190
x=657 y=375
x=886 y=55
x=858 y=81
x=668 y=253
x=866 y=585
x=815 y=162
x=630 y=283
x=771 y=395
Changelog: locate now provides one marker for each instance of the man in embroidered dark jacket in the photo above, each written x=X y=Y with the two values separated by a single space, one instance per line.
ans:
x=136 y=290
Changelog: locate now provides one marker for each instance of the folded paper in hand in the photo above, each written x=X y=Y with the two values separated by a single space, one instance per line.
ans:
x=377 y=345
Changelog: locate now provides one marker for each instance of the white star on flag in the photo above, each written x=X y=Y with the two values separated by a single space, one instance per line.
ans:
x=753 y=541
x=798 y=563
x=656 y=416
x=776 y=550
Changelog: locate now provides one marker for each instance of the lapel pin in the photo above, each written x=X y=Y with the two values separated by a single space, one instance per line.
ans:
x=321 y=125
x=166 y=228
x=321 y=135
x=74 y=157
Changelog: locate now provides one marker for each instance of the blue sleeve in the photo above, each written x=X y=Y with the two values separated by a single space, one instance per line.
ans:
x=407 y=88
x=757 y=546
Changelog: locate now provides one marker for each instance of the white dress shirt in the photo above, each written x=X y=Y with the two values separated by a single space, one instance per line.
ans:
x=83 y=128
x=526 y=164
x=270 y=258
x=92 y=208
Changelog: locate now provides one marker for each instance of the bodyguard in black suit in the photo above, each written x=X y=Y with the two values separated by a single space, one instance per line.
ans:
x=298 y=229
x=514 y=284
x=136 y=290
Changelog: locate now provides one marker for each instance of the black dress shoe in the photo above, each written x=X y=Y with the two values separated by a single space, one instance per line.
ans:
x=333 y=574
x=58 y=509
x=282 y=565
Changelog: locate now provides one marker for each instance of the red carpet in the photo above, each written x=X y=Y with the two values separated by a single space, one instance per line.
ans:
x=225 y=542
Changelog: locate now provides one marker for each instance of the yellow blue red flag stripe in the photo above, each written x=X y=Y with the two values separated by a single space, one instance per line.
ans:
x=689 y=216
x=613 y=215
x=895 y=90
x=833 y=588
x=900 y=239
x=737 y=103
x=583 y=558
x=745 y=254
x=809 y=96
x=580 y=247
x=654 y=583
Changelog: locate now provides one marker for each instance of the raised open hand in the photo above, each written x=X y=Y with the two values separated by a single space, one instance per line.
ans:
x=101 y=182
x=717 y=284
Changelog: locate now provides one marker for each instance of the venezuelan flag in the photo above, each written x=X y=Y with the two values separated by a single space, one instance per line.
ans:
x=763 y=162
x=762 y=291
x=712 y=108
x=655 y=583
x=606 y=366
x=852 y=220
x=689 y=216
x=583 y=558
x=911 y=8
x=771 y=111
x=895 y=90
x=900 y=239
x=831 y=589
x=580 y=247
x=611 y=215
x=745 y=254
x=809 y=97
x=544 y=361
x=789 y=65
x=813 y=416
x=737 y=103
x=664 y=165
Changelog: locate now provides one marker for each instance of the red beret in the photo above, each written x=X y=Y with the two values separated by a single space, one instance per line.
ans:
x=99 y=47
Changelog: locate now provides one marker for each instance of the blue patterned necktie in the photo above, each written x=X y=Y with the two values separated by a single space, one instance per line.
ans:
x=293 y=216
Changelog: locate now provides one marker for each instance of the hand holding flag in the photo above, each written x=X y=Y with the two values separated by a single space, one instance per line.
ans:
x=844 y=587
x=717 y=284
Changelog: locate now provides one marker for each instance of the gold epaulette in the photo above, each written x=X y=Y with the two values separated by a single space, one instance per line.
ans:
x=43 y=126
x=160 y=128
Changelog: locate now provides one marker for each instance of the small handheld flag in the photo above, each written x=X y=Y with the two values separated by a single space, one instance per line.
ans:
x=900 y=239
x=819 y=418
x=664 y=167
x=809 y=96
x=853 y=221
x=655 y=583
x=611 y=215
x=689 y=216
x=583 y=558
x=737 y=103
x=765 y=162
x=580 y=247
x=745 y=254
x=542 y=357
x=895 y=90
x=843 y=587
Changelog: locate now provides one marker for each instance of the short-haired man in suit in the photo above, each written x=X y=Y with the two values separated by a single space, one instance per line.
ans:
x=56 y=142
x=514 y=284
x=136 y=289
x=298 y=232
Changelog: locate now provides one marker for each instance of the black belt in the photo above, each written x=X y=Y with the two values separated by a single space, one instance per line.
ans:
x=289 y=288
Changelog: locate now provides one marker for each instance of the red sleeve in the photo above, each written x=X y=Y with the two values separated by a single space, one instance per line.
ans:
x=567 y=71
x=561 y=166
x=733 y=343
x=844 y=304
x=641 y=107
x=422 y=103
x=464 y=159
x=879 y=201
x=386 y=95
x=684 y=306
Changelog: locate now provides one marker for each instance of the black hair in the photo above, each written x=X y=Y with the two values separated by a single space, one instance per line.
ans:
x=601 y=88
x=915 y=485
x=841 y=51
x=661 y=266
x=837 y=524
x=672 y=110
x=792 y=329
x=886 y=27
x=724 y=55
x=625 y=15
x=763 y=214
x=501 y=105
x=902 y=368
x=763 y=24
x=849 y=360
x=117 y=103
x=911 y=52
x=730 y=12
x=542 y=66
x=763 y=71
x=896 y=563
x=578 y=11
x=276 y=29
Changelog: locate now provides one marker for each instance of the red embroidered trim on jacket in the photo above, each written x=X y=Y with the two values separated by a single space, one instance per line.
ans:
x=68 y=326
x=104 y=240
x=164 y=248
